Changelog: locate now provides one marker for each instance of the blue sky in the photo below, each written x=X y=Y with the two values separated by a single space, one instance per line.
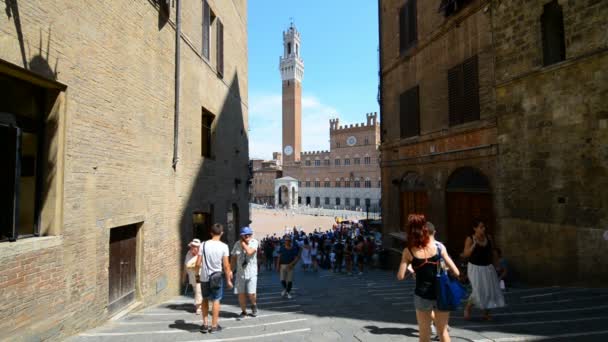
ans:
x=340 y=53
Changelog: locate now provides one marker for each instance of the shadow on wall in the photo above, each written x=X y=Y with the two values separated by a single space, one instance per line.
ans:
x=23 y=98
x=221 y=181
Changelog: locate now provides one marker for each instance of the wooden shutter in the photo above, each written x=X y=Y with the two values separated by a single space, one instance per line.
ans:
x=206 y=28
x=10 y=138
x=407 y=25
x=552 y=26
x=409 y=113
x=220 y=48
x=412 y=22
x=403 y=28
x=470 y=101
x=455 y=94
x=463 y=92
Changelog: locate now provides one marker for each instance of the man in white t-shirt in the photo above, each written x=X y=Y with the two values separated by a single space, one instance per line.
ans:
x=245 y=260
x=214 y=259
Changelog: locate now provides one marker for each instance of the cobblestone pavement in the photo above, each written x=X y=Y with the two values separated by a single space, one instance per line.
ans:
x=370 y=307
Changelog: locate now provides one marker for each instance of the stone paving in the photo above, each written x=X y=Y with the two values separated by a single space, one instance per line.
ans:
x=372 y=307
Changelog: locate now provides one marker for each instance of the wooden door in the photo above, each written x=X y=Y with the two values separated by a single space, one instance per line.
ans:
x=122 y=269
x=462 y=209
x=412 y=202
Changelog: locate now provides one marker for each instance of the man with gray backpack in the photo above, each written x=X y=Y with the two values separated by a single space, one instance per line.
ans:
x=214 y=260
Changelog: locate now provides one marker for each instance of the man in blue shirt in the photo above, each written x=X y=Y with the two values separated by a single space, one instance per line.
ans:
x=289 y=255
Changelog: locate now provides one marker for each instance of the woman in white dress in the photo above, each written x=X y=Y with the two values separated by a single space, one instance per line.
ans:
x=191 y=270
x=486 y=292
x=306 y=255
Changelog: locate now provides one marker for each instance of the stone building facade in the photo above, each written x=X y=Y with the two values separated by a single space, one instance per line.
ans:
x=87 y=107
x=438 y=117
x=533 y=161
x=348 y=175
x=552 y=109
x=261 y=190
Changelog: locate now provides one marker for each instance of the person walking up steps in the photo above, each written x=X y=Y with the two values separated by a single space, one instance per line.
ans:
x=486 y=292
x=289 y=255
x=214 y=259
x=244 y=256
x=423 y=254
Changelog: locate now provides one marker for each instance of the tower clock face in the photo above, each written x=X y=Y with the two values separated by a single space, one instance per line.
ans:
x=288 y=150
x=351 y=141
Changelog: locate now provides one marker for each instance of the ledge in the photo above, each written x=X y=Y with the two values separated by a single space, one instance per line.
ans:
x=27 y=245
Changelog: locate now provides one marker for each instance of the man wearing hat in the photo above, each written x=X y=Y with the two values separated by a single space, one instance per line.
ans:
x=244 y=258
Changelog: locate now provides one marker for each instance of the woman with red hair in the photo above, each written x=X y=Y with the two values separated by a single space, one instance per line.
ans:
x=424 y=257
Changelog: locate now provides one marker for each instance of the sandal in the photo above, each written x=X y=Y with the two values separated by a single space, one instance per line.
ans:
x=204 y=329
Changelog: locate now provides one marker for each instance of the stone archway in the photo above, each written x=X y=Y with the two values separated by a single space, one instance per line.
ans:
x=468 y=197
x=286 y=192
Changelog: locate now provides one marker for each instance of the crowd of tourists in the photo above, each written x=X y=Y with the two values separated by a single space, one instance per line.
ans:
x=348 y=248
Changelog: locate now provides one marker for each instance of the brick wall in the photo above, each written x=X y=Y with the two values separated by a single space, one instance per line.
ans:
x=553 y=133
x=115 y=153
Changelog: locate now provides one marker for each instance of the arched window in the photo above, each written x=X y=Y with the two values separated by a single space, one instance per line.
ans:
x=338 y=182
x=357 y=183
x=337 y=161
x=327 y=183
x=347 y=182
x=368 y=183
x=317 y=183
x=552 y=23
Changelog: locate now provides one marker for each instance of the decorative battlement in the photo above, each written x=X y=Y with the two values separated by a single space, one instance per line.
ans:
x=372 y=121
x=333 y=124
x=312 y=153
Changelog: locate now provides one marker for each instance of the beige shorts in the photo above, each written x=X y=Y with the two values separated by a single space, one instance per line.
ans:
x=286 y=273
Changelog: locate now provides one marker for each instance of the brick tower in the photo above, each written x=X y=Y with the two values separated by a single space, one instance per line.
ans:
x=292 y=71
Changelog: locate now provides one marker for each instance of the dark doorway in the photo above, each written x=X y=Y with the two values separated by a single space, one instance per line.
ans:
x=307 y=200
x=122 y=270
x=413 y=197
x=233 y=222
x=202 y=222
x=468 y=197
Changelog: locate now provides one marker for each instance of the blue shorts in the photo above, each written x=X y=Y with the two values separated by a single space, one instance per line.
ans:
x=212 y=295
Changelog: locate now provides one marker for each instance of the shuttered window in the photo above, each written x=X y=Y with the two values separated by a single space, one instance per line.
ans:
x=206 y=28
x=407 y=25
x=409 y=110
x=552 y=24
x=220 y=48
x=463 y=89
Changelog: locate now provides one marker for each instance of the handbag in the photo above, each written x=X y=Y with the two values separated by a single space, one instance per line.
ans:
x=215 y=278
x=449 y=291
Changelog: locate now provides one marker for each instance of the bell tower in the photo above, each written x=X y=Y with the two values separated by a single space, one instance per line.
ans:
x=292 y=71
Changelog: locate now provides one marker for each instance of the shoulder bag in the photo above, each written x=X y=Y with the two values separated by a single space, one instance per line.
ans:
x=215 y=278
x=449 y=291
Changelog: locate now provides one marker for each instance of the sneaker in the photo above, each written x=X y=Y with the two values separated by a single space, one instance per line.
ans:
x=254 y=311
x=204 y=329
x=283 y=293
x=241 y=316
x=288 y=295
x=215 y=330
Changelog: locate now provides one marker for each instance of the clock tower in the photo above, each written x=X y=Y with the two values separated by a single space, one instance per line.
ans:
x=292 y=71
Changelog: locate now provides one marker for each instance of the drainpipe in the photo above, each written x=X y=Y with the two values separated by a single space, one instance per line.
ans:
x=178 y=33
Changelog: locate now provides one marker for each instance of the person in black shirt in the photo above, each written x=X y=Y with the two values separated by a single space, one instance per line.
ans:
x=422 y=253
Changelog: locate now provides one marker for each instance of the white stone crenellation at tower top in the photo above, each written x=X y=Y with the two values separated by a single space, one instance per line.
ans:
x=291 y=64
